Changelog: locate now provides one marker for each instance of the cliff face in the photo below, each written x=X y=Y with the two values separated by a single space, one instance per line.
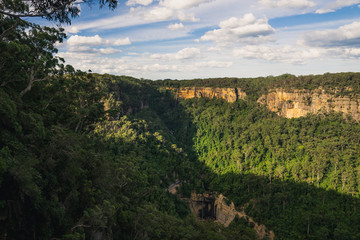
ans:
x=220 y=209
x=227 y=94
x=289 y=104
x=299 y=103
x=215 y=207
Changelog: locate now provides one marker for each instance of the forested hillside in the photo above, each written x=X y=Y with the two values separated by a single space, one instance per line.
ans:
x=89 y=156
x=341 y=83
x=86 y=155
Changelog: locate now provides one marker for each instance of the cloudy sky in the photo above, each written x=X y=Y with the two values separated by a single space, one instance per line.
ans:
x=184 y=39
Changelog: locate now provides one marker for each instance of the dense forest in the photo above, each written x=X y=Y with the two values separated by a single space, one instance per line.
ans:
x=339 y=83
x=90 y=156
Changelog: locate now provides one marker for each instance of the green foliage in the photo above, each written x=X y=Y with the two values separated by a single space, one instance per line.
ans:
x=281 y=170
x=60 y=11
x=88 y=156
x=337 y=83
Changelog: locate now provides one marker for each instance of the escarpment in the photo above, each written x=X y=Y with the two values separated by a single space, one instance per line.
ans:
x=287 y=103
x=227 y=94
x=299 y=103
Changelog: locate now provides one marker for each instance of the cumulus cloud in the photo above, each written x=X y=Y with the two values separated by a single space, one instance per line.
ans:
x=107 y=51
x=96 y=41
x=352 y=52
x=90 y=50
x=182 y=4
x=186 y=53
x=324 y=10
x=161 y=13
x=82 y=40
x=159 y=68
x=246 y=30
x=214 y=64
x=138 y=2
x=332 y=6
x=176 y=26
x=72 y=29
x=158 y=14
x=119 y=42
x=187 y=17
x=295 y=4
x=287 y=54
x=344 y=36
x=140 y=13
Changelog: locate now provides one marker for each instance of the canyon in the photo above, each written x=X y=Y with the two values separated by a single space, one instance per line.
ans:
x=287 y=103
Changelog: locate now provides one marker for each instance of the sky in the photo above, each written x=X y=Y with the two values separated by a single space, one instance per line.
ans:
x=186 y=39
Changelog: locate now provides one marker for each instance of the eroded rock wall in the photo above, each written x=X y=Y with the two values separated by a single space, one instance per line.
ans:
x=299 y=103
x=216 y=207
x=227 y=94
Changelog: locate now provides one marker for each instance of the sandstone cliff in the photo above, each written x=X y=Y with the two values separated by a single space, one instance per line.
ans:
x=220 y=209
x=299 y=103
x=215 y=207
x=227 y=94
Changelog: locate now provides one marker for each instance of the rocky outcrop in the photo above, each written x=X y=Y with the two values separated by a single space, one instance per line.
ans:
x=208 y=205
x=299 y=103
x=227 y=94
x=225 y=214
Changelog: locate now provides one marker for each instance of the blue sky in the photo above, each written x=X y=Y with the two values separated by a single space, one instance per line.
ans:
x=184 y=39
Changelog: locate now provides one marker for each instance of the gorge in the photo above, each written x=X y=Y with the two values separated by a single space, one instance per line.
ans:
x=290 y=104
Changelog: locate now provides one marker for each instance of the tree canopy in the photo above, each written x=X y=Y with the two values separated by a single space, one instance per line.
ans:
x=54 y=10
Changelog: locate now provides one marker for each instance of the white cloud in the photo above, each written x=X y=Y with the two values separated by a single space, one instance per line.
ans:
x=176 y=26
x=344 y=36
x=324 y=10
x=138 y=2
x=160 y=68
x=136 y=16
x=96 y=40
x=182 y=4
x=332 y=6
x=296 y=4
x=89 y=50
x=246 y=30
x=287 y=54
x=214 y=64
x=82 y=40
x=186 y=53
x=187 y=17
x=119 y=42
x=214 y=49
x=158 y=14
x=353 y=52
x=107 y=51
x=72 y=29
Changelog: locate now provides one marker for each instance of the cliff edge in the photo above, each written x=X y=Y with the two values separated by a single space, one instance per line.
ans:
x=227 y=94
x=299 y=103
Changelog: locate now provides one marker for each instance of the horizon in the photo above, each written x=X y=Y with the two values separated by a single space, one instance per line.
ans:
x=173 y=39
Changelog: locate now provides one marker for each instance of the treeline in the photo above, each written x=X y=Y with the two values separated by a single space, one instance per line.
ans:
x=337 y=83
